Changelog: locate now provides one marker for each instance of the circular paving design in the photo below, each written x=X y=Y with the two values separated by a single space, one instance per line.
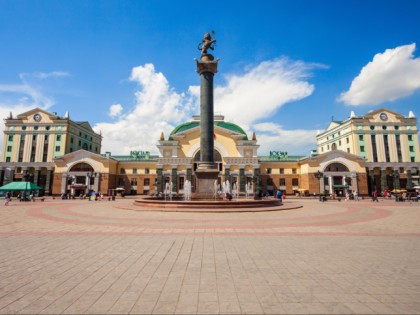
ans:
x=122 y=217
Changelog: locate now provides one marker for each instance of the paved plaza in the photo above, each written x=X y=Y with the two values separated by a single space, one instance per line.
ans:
x=77 y=256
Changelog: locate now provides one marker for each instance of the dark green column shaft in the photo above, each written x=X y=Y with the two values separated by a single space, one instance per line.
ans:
x=242 y=180
x=174 y=177
x=159 y=180
x=206 y=117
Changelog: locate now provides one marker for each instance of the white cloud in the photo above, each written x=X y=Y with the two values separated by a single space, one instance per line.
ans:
x=391 y=75
x=245 y=99
x=44 y=75
x=263 y=89
x=23 y=96
x=272 y=137
x=158 y=108
x=115 y=110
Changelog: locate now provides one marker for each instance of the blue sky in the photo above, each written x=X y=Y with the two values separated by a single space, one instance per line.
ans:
x=286 y=67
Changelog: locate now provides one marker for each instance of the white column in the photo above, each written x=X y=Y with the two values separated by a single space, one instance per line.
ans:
x=344 y=180
x=330 y=181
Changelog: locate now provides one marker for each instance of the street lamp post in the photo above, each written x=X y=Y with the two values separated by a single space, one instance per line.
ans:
x=28 y=177
x=319 y=175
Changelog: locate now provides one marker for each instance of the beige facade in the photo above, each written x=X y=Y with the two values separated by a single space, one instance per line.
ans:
x=32 y=140
x=339 y=169
x=386 y=139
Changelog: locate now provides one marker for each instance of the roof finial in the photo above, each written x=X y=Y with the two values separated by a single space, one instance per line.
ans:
x=411 y=114
x=162 y=137
x=352 y=114
x=254 y=136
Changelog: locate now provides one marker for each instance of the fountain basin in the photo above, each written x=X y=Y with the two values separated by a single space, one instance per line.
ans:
x=215 y=205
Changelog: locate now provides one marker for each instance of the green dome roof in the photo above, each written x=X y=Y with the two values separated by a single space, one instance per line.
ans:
x=222 y=124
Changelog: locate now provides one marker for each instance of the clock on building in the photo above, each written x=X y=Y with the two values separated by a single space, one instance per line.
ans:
x=383 y=116
x=37 y=117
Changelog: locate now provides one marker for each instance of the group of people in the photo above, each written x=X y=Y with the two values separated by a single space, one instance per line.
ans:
x=21 y=197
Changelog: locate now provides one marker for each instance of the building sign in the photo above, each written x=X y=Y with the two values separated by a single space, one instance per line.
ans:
x=279 y=155
x=140 y=154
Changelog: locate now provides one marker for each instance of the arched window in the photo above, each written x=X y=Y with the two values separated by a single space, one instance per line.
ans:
x=81 y=167
x=216 y=156
x=122 y=170
x=337 y=167
x=333 y=146
x=85 y=146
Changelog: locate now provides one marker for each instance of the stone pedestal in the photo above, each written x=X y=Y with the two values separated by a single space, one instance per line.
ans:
x=205 y=183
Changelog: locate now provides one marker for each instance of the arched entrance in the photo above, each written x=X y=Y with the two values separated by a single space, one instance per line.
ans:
x=338 y=180
x=80 y=180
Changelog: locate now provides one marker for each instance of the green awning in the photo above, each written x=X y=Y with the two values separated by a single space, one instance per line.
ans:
x=20 y=186
x=340 y=186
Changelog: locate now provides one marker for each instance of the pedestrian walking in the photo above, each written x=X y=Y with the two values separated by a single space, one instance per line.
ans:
x=7 y=199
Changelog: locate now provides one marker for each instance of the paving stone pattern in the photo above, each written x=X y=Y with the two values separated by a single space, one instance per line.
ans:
x=81 y=257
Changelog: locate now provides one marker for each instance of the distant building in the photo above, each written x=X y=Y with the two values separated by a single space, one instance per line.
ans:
x=379 y=150
x=386 y=139
x=33 y=139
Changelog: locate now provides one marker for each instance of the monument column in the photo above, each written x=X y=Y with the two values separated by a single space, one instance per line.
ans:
x=207 y=172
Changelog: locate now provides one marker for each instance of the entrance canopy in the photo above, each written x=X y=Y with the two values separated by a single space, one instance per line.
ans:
x=340 y=186
x=20 y=186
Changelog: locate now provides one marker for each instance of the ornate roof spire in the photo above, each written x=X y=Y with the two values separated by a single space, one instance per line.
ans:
x=254 y=137
x=162 y=137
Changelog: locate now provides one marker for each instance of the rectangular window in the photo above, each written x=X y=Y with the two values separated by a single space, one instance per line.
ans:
x=58 y=137
x=282 y=171
x=362 y=148
x=347 y=140
x=399 y=152
x=10 y=137
x=269 y=181
x=133 y=182
x=360 y=137
x=339 y=142
x=295 y=181
x=9 y=148
x=282 y=182
x=134 y=170
x=268 y=170
x=8 y=159
x=410 y=137
x=71 y=140
x=293 y=171
x=374 y=148
x=411 y=148
x=146 y=182
x=348 y=150
x=412 y=159
x=21 y=148
x=45 y=152
x=386 y=144
x=146 y=171
x=57 y=148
